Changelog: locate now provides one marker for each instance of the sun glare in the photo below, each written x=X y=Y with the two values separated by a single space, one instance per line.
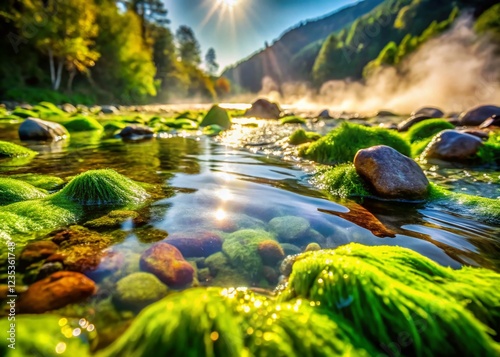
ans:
x=228 y=3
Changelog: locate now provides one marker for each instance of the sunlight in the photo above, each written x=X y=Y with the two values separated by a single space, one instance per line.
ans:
x=228 y=3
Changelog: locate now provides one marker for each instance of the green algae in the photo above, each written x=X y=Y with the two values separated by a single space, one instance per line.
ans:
x=487 y=209
x=427 y=129
x=45 y=182
x=217 y=115
x=24 y=113
x=411 y=295
x=13 y=150
x=137 y=290
x=197 y=322
x=292 y=119
x=223 y=273
x=103 y=187
x=42 y=335
x=342 y=143
x=12 y=190
x=241 y=247
x=301 y=136
x=489 y=153
x=82 y=123
x=341 y=181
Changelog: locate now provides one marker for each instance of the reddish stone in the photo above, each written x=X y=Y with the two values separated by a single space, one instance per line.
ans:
x=198 y=244
x=56 y=291
x=37 y=251
x=167 y=263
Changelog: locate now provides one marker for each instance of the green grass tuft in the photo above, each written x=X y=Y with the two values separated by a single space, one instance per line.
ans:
x=103 y=187
x=13 y=150
x=301 y=136
x=489 y=153
x=427 y=129
x=342 y=143
x=387 y=291
x=341 y=181
x=82 y=123
x=15 y=191
x=292 y=119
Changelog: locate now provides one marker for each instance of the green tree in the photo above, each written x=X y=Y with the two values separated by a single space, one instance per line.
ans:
x=211 y=62
x=126 y=70
x=64 y=31
x=189 y=48
x=324 y=65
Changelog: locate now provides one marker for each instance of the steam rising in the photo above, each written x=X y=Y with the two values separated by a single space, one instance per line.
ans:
x=454 y=71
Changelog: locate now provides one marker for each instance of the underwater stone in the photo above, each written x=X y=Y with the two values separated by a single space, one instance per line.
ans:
x=391 y=174
x=289 y=228
x=37 y=251
x=137 y=290
x=14 y=191
x=56 y=291
x=450 y=145
x=196 y=244
x=13 y=150
x=312 y=247
x=241 y=247
x=271 y=252
x=103 y=187
x=115 y=219
x=41 y=130
x=133 y=132
x=290 y=249
x=217 y=116
x=167 y=263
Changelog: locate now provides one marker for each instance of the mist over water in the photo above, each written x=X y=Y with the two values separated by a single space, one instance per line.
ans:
x=454 y=71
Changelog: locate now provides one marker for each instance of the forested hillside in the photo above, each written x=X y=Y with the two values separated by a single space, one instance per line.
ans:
x=381 y=37
x=99 y=50
x=280 y=60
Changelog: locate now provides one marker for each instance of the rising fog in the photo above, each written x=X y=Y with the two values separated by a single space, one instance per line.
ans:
x=454 y=71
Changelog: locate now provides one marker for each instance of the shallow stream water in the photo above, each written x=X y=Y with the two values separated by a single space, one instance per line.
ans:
x=226 y=184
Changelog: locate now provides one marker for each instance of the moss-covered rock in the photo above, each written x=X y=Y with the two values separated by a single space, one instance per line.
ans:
x=103 y=187
x=82 y=123
x=223 y=274
x=341 y=181
x=42 y=335
x=427 y=129
x=45 y=182
x=15 y=191
x=12 y=150
x=292 y=119
x=217 y=115
x=114 y=219
x=301 y=136
x=271 y=252
x=438 y=309
x=137 y=290
x=342 y=143
x=289 y=228
x=242 y=249
x=481 y=208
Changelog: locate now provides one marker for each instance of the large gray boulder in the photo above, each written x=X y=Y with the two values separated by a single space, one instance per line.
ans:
x=391 y=174
x=264 y=109
x=41 y=130
x=451 y=145
x=476 y=116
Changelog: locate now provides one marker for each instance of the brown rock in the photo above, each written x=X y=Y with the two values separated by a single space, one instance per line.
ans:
x=136 y=131
x=451 y=145
x=391 y=174
x=167 y=263
x=270 y=252
x=408 y=123
x=37 y=251
x=264 y=109
x=493 y=121
x=476 y=116
x=56 y=291
x=196 y=244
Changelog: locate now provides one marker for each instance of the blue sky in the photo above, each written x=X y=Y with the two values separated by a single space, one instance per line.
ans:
x=236 y=32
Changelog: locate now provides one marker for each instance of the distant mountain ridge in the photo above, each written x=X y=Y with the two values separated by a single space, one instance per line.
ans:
x=275 y=60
